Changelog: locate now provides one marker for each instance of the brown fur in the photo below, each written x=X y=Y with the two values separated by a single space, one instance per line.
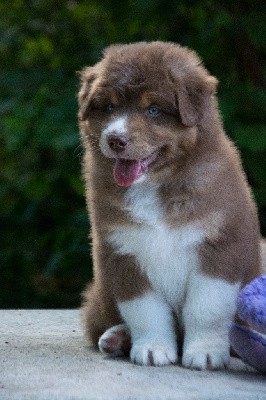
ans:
x=198 y=169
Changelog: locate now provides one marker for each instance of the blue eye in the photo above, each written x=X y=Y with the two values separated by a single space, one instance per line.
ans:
x=110 y=107
x=153 y=111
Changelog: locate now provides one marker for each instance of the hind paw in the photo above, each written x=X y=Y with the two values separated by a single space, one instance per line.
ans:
x=115 y=341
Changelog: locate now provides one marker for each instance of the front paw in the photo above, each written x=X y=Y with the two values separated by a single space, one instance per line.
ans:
x=156 y=353
x=202 y=356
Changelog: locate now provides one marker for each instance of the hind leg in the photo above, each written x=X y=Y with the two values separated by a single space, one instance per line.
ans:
x=98 y=313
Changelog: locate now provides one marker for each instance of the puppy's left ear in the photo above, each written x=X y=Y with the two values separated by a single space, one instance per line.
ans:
x=194 y=94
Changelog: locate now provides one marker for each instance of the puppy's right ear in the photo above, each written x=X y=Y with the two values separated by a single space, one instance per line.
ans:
x=87 y=76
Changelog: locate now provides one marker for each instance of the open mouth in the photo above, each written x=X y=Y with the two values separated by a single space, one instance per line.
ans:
x=127 y=172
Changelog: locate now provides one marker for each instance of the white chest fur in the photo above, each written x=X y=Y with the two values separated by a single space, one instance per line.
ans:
x=168 y=256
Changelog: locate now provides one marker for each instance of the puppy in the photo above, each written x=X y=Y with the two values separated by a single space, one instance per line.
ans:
x=174 y=226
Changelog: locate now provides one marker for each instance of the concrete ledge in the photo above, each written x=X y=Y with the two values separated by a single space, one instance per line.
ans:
x=43 y=356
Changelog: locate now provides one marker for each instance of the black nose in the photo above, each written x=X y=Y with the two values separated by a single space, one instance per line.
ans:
x=117 y=143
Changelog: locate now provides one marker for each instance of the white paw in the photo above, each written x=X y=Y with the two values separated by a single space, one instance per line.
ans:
x=149 y=352
x=206 y=356
x=115 y=341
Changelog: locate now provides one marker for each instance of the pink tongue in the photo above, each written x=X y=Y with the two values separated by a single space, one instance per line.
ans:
x=126 y=171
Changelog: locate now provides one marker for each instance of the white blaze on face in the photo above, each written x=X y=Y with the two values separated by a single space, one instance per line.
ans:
x=116 y=127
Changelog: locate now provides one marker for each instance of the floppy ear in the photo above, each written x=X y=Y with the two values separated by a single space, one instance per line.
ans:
x=194 y=97
x=88 y=76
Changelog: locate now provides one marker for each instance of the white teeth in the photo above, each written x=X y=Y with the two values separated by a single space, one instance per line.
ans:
x=148 y=160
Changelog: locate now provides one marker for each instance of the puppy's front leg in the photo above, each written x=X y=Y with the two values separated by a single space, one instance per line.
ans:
x=151 y=324
x=147 y=316
x=209 y=310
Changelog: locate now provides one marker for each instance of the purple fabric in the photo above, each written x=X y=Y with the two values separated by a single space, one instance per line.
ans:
x=250 y=346
x=251 y=304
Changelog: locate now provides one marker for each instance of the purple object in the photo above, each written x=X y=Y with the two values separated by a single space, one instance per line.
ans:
x=251 y=304
x=251 y=307
x=250 y=346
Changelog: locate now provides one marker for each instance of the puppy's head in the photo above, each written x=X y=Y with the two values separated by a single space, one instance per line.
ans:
x=141 y=106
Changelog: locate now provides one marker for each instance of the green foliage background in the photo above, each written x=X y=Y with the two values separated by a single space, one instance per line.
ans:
x=45 y=257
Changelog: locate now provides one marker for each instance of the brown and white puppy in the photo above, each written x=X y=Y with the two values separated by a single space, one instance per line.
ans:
x=174 y=226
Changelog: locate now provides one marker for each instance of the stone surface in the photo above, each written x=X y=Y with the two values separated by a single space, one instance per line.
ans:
x=44 y=356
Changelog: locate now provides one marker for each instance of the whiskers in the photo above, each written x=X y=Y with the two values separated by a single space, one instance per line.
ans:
x=78 y=152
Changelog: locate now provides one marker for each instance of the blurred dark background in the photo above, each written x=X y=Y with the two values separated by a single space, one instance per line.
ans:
x=44 y=247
